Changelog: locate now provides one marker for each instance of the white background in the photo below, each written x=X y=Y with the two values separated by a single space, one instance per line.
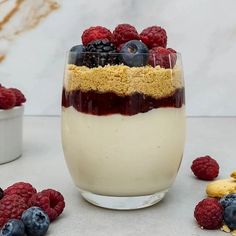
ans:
x=204 y=31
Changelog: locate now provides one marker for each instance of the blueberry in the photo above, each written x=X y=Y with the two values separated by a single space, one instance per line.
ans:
x=13 y=228
x=134 y=53
x=36 y=221
x=1 y=193
x=228 y=200
x=76 y=55
x=230 y=216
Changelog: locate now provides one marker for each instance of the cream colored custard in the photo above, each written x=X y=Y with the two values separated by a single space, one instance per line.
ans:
x=117 y=155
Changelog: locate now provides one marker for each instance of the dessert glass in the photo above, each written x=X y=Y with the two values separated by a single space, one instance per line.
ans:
x=123 y=131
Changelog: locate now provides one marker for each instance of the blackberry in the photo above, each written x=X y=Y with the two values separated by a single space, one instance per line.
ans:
x=100 y=53
x=1 y=193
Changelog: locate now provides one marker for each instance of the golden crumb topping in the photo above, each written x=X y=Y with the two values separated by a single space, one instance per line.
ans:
x=123 y=80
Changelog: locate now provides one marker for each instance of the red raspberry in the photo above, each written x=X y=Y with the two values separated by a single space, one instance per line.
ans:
x=164 y=57
x=25 y=190
x=154 y=36
x=119 y=47
x=124 y=33
x=205 y=168
x=95 y=33
x=7 y=98
x=209 y=213
x=11 y=207
x=51 y=201
x=20 y=98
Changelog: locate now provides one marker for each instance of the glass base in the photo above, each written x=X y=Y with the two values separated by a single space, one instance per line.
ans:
x=123 y=203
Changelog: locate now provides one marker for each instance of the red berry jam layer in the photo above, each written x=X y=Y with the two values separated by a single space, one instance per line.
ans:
x=94 y=103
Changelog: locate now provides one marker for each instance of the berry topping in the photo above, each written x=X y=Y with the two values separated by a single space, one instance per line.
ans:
x=124 y=33
x=100 y=53
x=209 y=213
x=134 y=53
x=13 y=227
x=95 y=33
x=76 y=55
x=163 y=57
x=230 y=216
x=36 y=221
x=20 y=98
x=154 y=36
x=205 y=168
x=7 y=98
x=228 y=200
x=11 y=207
x=51 y=201
x=1 y=193
x=25 y=190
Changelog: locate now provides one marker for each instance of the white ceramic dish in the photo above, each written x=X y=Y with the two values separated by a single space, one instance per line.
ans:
x=11 y=127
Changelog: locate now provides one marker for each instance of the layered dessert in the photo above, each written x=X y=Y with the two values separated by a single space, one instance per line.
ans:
x=123 y=113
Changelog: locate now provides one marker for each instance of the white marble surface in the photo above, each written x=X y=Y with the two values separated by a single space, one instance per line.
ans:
x=203 y=31
x=43 y=165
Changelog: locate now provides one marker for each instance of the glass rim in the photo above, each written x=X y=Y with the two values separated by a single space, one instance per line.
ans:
x=117 y=53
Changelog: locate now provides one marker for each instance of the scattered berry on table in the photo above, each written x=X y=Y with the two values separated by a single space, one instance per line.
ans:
x=134 y=53
x=11 y=207
x=96 y=33
x=36 y=221
x=100 y=53
x=20 y=98
x=7 y=98
x=154 y=36
x=1 y=193
x=76 y=55
x=124 y=33
x=228 y=200
x=25 y=190
x=51 y=201
x=209 y=213
x=13 y=227
x=165 y=58
x=230 y=216
x=205 y=168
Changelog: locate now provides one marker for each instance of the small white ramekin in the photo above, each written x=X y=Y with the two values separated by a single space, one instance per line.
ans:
x=11 y=132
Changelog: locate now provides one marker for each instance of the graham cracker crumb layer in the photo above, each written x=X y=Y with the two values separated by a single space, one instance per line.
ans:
x=123 y=80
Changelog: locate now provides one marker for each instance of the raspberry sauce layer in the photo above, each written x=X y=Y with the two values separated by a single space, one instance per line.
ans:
x=95 y=103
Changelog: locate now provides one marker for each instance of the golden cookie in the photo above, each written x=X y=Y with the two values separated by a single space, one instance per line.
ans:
x=221 y=187
x=233 y=175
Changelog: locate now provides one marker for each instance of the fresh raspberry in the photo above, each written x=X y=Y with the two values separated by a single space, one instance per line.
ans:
x=205 y=168
x=124 y=33
x=119 y=47
x=11 y=207
x=51 y=201
x=209 y=213
x=20 y=98
x=7 y=98
x=95 y=33
x=154 y=36
x=25 y=190
x=163 y=57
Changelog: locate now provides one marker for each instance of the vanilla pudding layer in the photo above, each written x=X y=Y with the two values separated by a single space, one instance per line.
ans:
x=119 y=155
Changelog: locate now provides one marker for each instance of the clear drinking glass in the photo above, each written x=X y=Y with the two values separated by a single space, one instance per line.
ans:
x=123 y=128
